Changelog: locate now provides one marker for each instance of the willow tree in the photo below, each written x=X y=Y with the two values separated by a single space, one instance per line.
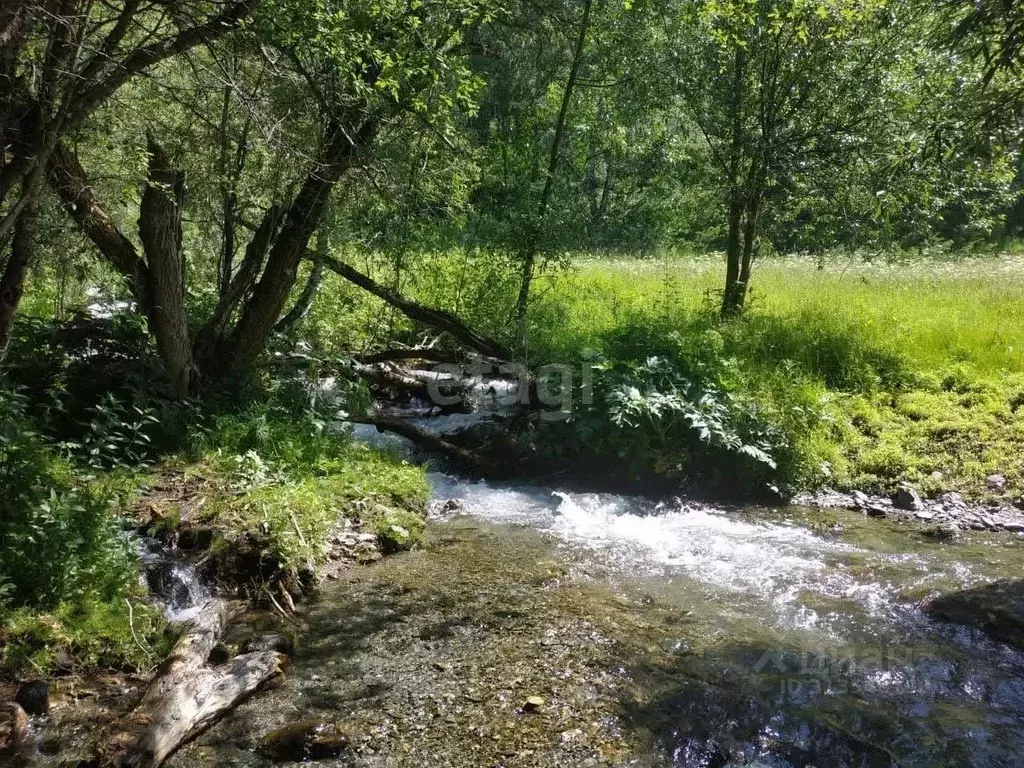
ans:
x=59 y=63
x=338 y=77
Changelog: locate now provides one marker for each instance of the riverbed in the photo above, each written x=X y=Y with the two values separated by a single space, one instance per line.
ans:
x=539 y=627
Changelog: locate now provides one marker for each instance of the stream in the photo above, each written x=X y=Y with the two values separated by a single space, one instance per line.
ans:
x=542 y=627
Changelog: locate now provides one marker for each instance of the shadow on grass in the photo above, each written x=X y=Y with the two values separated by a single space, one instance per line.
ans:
x=844 y=355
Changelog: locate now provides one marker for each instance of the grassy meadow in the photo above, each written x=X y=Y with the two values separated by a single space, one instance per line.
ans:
x=917 y=368
x=878 y=372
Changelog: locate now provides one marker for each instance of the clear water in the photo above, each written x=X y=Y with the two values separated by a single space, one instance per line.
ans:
x=811 y=650
x=817 y=630
x=172 y=582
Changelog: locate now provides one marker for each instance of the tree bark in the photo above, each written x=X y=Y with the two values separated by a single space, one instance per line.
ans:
x=732 y=298
x=264 y=307
x=211 y=335
x=160 y=232
x=304 y=303
x=12 y=284
x=187 y=695
x=69 y=180
x=530 y=252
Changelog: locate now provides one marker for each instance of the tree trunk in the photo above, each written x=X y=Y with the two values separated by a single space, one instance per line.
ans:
x=264 y=307
x=186 y=695
x=530 y=252
x=304 y=303
x=12 y=284
x=436 y=318
x=732 y=298
x=750 y=232
x=160 y=233
x=210 y=336
x=69 y=180
x=732 y=302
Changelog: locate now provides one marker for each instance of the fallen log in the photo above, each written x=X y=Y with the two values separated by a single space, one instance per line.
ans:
x=436 y=318
x=428 y=440
x=389 y=377
x=414 y=353
x=187 y=695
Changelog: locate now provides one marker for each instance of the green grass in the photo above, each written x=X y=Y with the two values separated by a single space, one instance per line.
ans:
x=931 y=314
x=293 y=483
x=915 y=368
x=919 y=368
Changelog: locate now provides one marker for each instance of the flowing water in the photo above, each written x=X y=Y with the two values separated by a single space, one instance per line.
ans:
x=656 y=633
x=172 y=582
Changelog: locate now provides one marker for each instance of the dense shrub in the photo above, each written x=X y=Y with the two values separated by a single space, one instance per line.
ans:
x=96 y=387
x=58 y=540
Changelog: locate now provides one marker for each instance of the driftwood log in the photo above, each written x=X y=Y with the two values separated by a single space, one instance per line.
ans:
x=440 y=319
x=187 y=695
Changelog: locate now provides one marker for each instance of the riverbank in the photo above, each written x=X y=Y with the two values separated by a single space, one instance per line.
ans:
x=854 y=376
x=582 y=631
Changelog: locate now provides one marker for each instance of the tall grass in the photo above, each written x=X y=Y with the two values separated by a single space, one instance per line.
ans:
x=915 y=369
x=929 y=314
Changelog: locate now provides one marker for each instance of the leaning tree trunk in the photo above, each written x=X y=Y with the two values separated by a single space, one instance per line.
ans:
x=69 y=180
x=263 y=309
x=160 y=233
x=304 y=303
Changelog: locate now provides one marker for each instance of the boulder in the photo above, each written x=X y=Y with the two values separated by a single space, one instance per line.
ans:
x=907 y=498
x=306 y=740
x=996 y=482
x=34 y=697
x=996 y=609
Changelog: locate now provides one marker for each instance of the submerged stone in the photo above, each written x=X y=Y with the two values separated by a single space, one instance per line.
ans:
x=306 y=740
x=533 y=703
x=269 y=641
x=34 y=697
x=996 y=609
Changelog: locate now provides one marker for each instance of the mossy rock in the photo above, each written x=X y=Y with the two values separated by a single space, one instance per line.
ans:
x=996 y=609
x=396 y=529
x=307 y=740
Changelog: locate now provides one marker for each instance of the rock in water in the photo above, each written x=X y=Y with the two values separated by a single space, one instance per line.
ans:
x=34 y=697
x=269 y=641
x=306 y=740
x=996 y=609
x=907 y=498
x=533 y=703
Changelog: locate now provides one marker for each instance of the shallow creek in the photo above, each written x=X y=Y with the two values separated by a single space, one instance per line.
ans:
x=541 y=627
x=654 y=634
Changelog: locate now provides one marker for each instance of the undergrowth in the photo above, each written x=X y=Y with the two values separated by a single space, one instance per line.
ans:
x=849 y=373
